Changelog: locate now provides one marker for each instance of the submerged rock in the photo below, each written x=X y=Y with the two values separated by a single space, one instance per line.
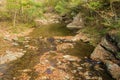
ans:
x=71 y=58
x=49 y=68
x=64 y=46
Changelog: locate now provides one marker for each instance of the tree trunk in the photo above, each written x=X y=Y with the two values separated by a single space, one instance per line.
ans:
x=14 y=19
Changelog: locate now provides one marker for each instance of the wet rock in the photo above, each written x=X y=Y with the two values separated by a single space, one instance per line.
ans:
x=97 y=67
x=75 y=64
x=25 y=70
x=51 y=39
x=64 y=46
x=71 y=58
x=86 y=64
x=48 y=71
x=66 y=39
x=77 y=23
x=81 y=36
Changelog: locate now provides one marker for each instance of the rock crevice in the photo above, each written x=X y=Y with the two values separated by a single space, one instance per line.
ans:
x=107 y=51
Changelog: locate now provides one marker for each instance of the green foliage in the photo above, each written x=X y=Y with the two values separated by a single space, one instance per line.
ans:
x=118 y=55
x=116 y=24
x=61 y=7
x=50 y=3
x=65 y=6
x=94 y=5
x=32 y=10
x=25 y=9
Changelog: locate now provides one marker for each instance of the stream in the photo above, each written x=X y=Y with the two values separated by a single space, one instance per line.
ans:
x=42 y=40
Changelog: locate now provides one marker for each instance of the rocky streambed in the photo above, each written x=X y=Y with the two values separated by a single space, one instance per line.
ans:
x=53 y=53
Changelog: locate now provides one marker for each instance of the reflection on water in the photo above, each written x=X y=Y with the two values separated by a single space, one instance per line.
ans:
x=81 y=49
x=51 y=30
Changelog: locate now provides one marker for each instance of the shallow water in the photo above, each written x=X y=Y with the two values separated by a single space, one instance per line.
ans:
x=31 y=57
x=81 y=49
x=51 y=30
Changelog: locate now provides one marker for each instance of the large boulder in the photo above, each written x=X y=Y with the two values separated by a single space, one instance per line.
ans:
x=77 y=22
x=108 y=51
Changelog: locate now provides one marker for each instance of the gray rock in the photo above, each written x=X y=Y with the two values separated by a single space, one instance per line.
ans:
x=100 y=54
x=70 y=58
x=77 y=23
x=79 y=68
x=15 y=44
x=107 y=52
x=10 y=56
x=114 y=69
x=27 y=46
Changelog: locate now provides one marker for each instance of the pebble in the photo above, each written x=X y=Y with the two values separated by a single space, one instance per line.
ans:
x=97 y=67
x=74 y=71
x=59 y=62
x=86 y=73
x=75 y=64
x=24 y=51
x=79 y=68
x=15 y=39
x=25 y=70
x=88 y=77
x=15 y=44
x=70 y=58
x=27 y=46
x=67 y=78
